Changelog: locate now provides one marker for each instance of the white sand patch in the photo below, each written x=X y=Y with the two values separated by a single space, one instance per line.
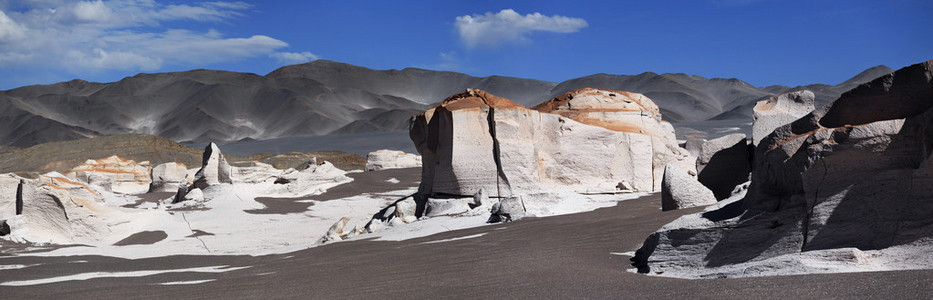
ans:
x=234 y=231
x=92 y=275
x=186 y=282
x=538 y=205
x=14 y=267
x=456 y=238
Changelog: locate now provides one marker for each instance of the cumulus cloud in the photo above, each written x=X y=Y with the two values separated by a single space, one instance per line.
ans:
x=9 y=30
x=122 y=35
x=293 y=57
x=494 y=29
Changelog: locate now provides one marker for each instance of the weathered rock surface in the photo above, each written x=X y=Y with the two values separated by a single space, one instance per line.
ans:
x=724 y=163
x=127 y=176
x=391 y=159
x=508 y=209
x=337 y=231
x=315 y=178
x=847 y=180
x=475 y=140
x=168 y=177
x=447 y=207
x=214 y=168
x=776 y=111
x=680 y=190
x=405 y=210
x=33 y=211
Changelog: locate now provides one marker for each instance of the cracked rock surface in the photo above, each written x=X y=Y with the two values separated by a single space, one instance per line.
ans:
x=845 y=188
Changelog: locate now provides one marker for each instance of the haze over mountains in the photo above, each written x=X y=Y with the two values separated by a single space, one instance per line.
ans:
x=325 y=97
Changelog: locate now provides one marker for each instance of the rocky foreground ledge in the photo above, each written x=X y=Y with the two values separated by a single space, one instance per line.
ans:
x=845 y=188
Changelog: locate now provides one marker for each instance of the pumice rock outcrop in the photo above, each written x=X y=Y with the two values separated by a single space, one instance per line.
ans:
x=260 y=178
x=391 y=159
x=126 y=176
x=845 y=188
x=33 y=211
x=724 y=163
x=214 y=168
x=781 y=109
x=168 y=177
x=584 y=141
x=680 y=190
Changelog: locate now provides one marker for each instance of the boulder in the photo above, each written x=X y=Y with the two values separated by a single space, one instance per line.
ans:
x=168 y=177
x=778 y=110
x=587 y=141
x=194 y=194
x=724 y=163
x=680 y=190
x=336 y=231
x=126 y=176
x=480 y=198
x=214 y=168
x=694 y=145
x=391 y=159
x=849 y=177
x=447 y=207
x=508 y=209
x=405 y=210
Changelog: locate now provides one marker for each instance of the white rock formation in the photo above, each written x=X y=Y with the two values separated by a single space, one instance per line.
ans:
x=337 y=231
x=447 y=207
x=842 y=189
x=680 y=190
x=214 y=168
x=33 y=211
x=474 y=140
x=405 y=210
x=508 y=209
x=268 y=180
x=781 y=109
x=127 y=176
x=391 y=159
x=724 y=163
x=168 y=177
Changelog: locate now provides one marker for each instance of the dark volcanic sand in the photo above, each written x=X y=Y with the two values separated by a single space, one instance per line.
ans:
x=364 y=182
x=150 y=197
x=143 y=238
x=557 y=257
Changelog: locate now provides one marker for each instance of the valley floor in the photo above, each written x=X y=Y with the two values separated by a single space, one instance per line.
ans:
x=576 y=255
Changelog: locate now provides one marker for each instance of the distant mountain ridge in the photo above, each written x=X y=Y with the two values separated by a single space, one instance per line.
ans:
x=325 y=97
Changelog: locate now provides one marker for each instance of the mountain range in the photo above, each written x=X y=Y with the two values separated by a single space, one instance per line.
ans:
x=325 y=97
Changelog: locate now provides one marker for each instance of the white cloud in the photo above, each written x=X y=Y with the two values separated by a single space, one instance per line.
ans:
x=509 y=26
x=9 y=30
x=123 y=35
x=95 y=11
x=294 y=57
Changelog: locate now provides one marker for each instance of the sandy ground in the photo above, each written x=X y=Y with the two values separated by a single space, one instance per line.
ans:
x=363 y=182
x=577 y=255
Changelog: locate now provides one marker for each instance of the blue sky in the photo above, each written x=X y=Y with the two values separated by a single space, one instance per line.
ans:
x=763 y=42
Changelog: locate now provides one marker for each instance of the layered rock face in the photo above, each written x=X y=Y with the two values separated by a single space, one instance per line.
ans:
x=614 y=110
x=776 y=111
x=475 y=140
x=391 y=159
x=848 y=183
x=214 y=168
x=168 y=177
x=34 y=210
x=126 y=176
